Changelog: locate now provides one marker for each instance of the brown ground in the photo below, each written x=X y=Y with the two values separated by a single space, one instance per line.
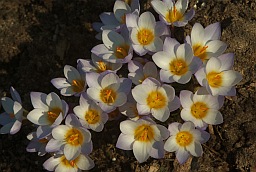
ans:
x=38 y=37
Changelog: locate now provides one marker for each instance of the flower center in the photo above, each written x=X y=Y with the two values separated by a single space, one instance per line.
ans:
x=77 y=85
x=144 y=133
x=122 y=51
x=200 y=51
x=108 y=95
x=44 y=140
x=199 y=110
x=184 y=138
x=128 y=2
x=145 y=36
x=178 y=67
x=53 y=114
x=102 y=66
x=74 y=137
x=92 y=116
x=123 y=19
x=173 y=15
x=214 y=79
x=156 y=100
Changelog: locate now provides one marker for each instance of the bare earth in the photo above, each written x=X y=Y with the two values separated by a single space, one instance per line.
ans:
x=39 y=37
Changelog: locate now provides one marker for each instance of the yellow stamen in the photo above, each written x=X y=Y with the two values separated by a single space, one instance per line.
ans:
x=184 y=138
x=145 y=36
x=122 y=51
x=102 y=66
x=53 y=114
x=78 y=85
x=156 y=100
x=74 y=137
x=178 y=67
x=214 y=79
x=173 y=15
x=199 y=110
x=92 y=116
x=68 y=163
x=108 y=95
x=144 y=133
x=200 y=51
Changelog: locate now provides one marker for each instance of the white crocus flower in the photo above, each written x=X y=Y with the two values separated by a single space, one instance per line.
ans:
x=108 y=90
x=152 y=97
x=185 y=140
x=12 y=118
x=173 y=13
x=144 y=137
x=116 y=48
x=59 y=163
x=97 y=64
x=90 y=114
x=73 y=84
x=138 y=72
x=176 y=61
x=145 y=33
x=71 y=139
x=205 y=41
x=49 y=112
x=201 y=109
x=218 y=77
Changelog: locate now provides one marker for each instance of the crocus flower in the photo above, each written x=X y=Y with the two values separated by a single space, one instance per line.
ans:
x=205 y=42
x=173 y=13
x=138 y=72
x=12 y=118
x=145 y=32
x=144 y=137
x=49 y=112
x=36 y=144
x=90 y=114
x=97 y=64
x=59 y=163
x=71 y=139
x=185 y=140
x=115 y=48
x=108 y=89
x=201 y=109
x=152 y=97
x=218 y=77
x=176 y=61
x=73 y=84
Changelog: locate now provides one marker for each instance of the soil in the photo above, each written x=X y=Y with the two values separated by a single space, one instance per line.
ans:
x=39 y=37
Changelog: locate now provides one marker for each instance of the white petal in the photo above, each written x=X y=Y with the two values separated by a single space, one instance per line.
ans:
x=53 y=100
x=227 y=61
x=161 y=114
x=162 y=60
x=131 y=20
x=195 y=149
x=212 y=32
x=181 y=6
x=230 y=78
x=38 y=116
x=174 y=128
x=60 y=132
x=197 y=34
x=174 y=104
x=110 y=79
x=170 y=46
x=111 y=38
x=51 y=163
x=160 y=7
x=71 y=73
x=15 y=95
x=125 y=141
x=94 y=94
x=71 y=152
x=143 y=109
x=155 y=46
x=182 y=155
x=157 y=150
x=187 y=126
x=185 y=78
x=171 y=144
x=166 y=76
x=53 y=145
x=121 y=99
x=92 y=79
x=38 y=100
x=140 y=93
x=139 y=49
x=147 y=20
x=141 y=150
x=84 y=162
x=215 y=48
x=213 y=117
x=128 y=127
x=213 y=64
x=186 y=98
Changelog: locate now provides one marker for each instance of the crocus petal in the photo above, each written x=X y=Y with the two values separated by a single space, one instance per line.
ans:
x=140 y=93
x=100 y=50
x=187 y=126
x=195 y=149
x=111 y=38
x=131 y=20
x=60 y=131
x=171 y=144
x=125 y=85
x=230 y=78
x=160 y=7
x=71 y=152
x=157 y=150
x=84 y=162
x=53 y=145
x=215 y=48
x=227 y=61
x=162 y=60
x=212 y=32
x=143 y=109
x=15 y=127
x=166 y=76
x=200 y=76
x=125 y=141
x=110 y=79
x=186 y=98
x=71 y=73
x=139 y=49
x=147 y=20
x=38 y=100
x=170 y=46
x=38 y=116
x=181 y=6
x=155 y=46
x=51 y=163
x=185 y=78
x=213 y=64
x=213 y=117
x=182 y=155
x=174 y=104
x=15 y=95
x=53 y=100
x=141 y=150
x=108 y=18
x=60 y=83
x=197 y=34
x=161 y=114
